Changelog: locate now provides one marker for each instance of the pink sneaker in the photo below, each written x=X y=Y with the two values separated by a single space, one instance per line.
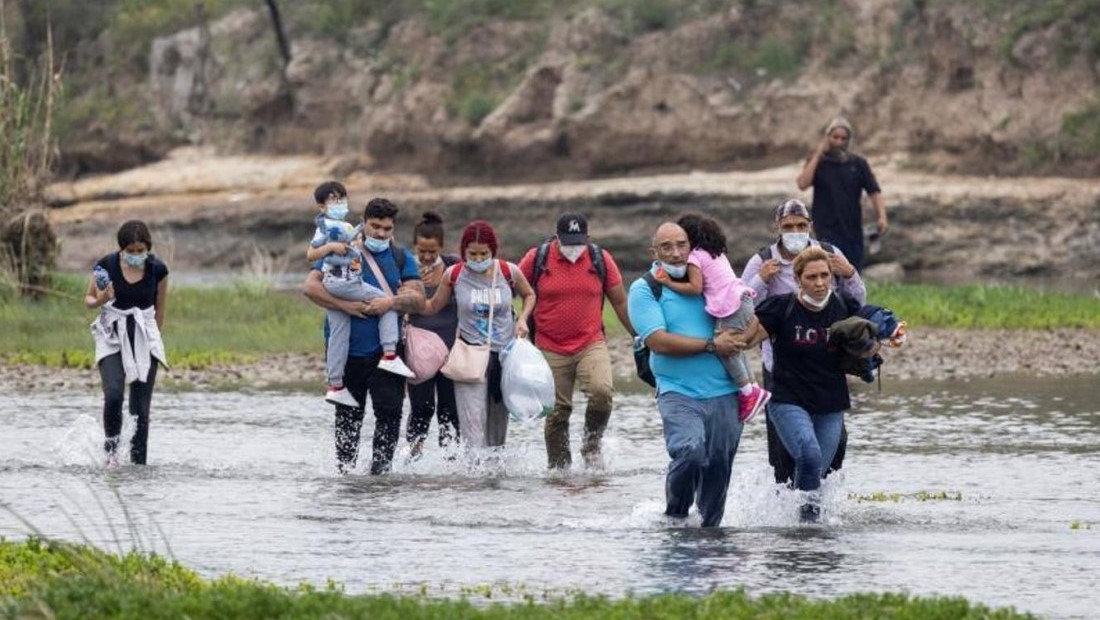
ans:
x=753 y=403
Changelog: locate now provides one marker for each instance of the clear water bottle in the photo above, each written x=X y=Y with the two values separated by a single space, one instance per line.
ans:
x=102 y=280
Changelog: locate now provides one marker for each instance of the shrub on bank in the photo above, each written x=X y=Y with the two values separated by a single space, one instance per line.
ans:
x=60 y=580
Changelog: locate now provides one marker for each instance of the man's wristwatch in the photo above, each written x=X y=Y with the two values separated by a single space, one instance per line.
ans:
x=710 y=348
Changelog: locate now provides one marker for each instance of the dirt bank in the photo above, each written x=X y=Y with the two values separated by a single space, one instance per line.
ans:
x=932 y=354
x=210 y=213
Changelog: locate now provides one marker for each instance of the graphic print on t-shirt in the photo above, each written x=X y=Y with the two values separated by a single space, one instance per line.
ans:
x=480 y=299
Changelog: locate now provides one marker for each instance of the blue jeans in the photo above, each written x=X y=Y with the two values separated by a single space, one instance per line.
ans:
x=811 y=440
x=701 y=436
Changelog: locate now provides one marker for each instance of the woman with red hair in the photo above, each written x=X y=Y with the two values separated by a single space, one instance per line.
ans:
x=483 y=286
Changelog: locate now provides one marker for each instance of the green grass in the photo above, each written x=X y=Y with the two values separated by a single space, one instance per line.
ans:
x=55 y=580
x=205 y=327
x=202 y=326
x=986 y=307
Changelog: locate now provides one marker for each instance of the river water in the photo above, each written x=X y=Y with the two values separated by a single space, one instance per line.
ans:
x=986 y=490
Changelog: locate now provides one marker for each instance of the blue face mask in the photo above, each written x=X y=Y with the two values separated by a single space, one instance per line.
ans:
x=480 y=266
x=376 y=246
x=676 y=272
x=337 y=210
x=135 y=260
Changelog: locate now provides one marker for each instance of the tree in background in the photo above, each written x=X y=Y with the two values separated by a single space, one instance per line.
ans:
x=28 y=92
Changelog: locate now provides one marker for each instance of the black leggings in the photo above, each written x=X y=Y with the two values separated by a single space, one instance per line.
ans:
x=113 y=378
x=434 y=397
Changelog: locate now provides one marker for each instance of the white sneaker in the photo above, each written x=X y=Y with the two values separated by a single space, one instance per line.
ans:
x=341 y=397
x=396 y=366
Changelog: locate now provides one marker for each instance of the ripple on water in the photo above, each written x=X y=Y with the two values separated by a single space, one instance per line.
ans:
x=970 y=489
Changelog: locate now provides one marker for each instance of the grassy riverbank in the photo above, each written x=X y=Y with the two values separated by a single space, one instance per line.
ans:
x=246 y=321
x=55 y=580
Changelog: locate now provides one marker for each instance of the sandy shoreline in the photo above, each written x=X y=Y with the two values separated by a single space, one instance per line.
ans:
x=932 y=354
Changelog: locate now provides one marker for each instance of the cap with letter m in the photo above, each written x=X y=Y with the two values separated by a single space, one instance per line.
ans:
x=572 y=229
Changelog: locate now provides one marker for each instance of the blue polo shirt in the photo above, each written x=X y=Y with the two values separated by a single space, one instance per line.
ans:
x=364 y=340
x=696 y=376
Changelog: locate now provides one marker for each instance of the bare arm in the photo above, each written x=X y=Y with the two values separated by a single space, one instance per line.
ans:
x=806 y=177
x=880 y=210
x=667 y=343
x=441 y=297
x=753 y=335
x=319 y=252
x=523 y=287
x=94 y=298
x=315 y=291
x=162 y=297
x=617 y=296
x=409 y=298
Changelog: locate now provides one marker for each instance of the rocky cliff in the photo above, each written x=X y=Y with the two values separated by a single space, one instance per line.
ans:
x=593 y=88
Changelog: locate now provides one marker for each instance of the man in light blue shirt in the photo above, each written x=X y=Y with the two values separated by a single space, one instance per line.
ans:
x=695 y=395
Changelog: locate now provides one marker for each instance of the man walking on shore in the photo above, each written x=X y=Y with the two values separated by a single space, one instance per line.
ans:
x=571 y=275
x=839 y=179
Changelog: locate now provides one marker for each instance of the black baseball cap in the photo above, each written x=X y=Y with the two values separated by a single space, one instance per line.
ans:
x=572 y=229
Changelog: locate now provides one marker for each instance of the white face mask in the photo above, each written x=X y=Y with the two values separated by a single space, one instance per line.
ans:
x=572 y=253
x=795 y=242
x=815 y=303
x=676 y=272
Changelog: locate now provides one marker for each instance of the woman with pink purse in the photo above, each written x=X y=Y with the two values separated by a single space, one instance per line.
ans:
x=434 y=396
x=482 y=287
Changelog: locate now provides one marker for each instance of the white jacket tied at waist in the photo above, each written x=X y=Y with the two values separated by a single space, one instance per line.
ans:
x=110 y=335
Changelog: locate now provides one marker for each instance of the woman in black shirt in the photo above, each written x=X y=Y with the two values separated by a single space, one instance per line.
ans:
x=810 y=390
x=130 y=286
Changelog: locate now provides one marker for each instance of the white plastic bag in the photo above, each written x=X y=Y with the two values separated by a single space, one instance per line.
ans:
x=526 y=381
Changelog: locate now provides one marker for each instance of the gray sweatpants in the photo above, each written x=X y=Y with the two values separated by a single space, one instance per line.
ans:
x=339 y=324
x=737 y=365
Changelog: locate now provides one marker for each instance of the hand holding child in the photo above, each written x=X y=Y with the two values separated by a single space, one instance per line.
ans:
x=662 y=276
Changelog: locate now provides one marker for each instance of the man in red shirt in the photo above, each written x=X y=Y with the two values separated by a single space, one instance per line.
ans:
x=568 y=324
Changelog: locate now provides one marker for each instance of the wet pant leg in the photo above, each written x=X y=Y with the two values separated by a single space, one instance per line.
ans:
x=113 y=381
x=594 y=373
x=432 y=398
x=141 y=399
x=556 y=427
x=387 y=394
x=701 y=437
x=811 y=440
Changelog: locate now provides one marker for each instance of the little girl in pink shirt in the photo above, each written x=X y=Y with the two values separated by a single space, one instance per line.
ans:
x=728 y=300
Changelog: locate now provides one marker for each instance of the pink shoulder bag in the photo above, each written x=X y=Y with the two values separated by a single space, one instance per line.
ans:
x=425 y=351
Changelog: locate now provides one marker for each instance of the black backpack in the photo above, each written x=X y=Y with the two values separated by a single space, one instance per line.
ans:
x=641 y=353
x=541 y=255
x=543 y=252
